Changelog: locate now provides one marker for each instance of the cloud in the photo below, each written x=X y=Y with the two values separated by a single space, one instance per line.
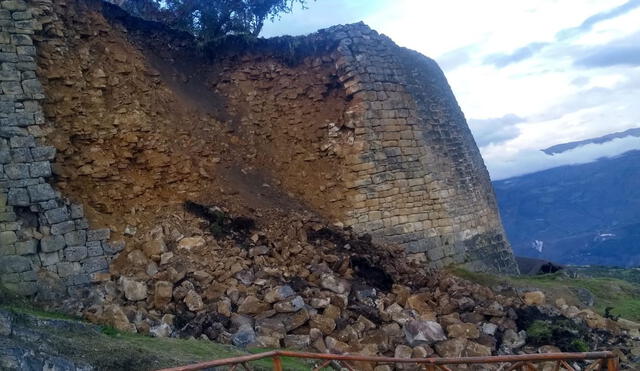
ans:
x=495 y=130
x=588 y=23
x=455 y=58
x=502 y=60
x=612 y=56
x=621 y=56
x=536 y=160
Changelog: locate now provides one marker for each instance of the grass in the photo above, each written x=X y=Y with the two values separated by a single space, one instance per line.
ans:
x=622 y=295
x=106 y=348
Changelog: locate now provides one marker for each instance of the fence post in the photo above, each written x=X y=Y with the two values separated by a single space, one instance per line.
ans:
x=277 y=364
x=612 y=364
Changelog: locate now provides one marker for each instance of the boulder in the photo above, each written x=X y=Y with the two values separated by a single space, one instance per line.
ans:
x=534 y=298
x=133 y=290
x=335 y=284
x=463 y=330
x=418 y=332
x=451 y=348
x=162 y=293
x=253 y=305
x=193 y=301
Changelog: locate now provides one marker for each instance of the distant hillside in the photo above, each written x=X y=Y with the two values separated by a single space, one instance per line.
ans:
x=559 y=148
x=579 y=214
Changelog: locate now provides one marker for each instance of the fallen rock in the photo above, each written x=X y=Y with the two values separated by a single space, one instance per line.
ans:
x=451 y=348
x=163 y=330
x=463 y=330
x=133 y=290
x=534 y=298
x=189 y=243
x=193 y=301
x=417 y=332
x=253 y=305
x=162 y=294
x=337 y=285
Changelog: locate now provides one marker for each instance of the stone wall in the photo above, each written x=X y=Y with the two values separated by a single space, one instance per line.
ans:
x=403 y=163
x=361 y=131
x=46 y=243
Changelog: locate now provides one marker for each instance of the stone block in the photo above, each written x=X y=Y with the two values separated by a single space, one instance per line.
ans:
x=20 y=39
x=77 y=211
x=98 y=234
x=14 y=5
x=31 y=87
x=57 y=215
x=40 y=169
x=435 y=254
x=14 y=264
x=8 y=238
x=10 y=87
x=78 y=279
x=29 y=276
x=7 y=216
x=7 y=250
x=27 y=247
x=82 y=223
x=49 y=258
x=76 y=238
x=95 y=264
x=44 y=153
x=21 y=155
x=41 y=192
x=17 y=171
x=22 y=141
x=94 y=248
x=67 y=269
x=9 y=76
x=112 y=248
x=75 y=253
x=52 y=243
x=62 y=228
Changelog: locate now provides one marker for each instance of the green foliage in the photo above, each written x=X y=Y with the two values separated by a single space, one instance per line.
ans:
x=540 y=332
x=210 y=20
x=579 y=345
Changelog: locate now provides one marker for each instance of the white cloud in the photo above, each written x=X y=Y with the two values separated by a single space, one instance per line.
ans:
x=539 y=78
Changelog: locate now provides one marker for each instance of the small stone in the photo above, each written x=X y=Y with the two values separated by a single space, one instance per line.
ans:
x=279 y=293
x=451 y=348
x=163 y=292
x=75 y=253
x=189 y=243
x=193 y=301
x=489 y=329
x=154 y=247
x=514 y=340
x=244 y=336
x=323 y=323
x=337 y=285
x=133 y=290
x=253 y=305
x=463 y=330
x=291 y=305
x=418 y=332
x=99 y=234
x=474 y=349
x=534 y=298
x=163 y=330
x=297 y=341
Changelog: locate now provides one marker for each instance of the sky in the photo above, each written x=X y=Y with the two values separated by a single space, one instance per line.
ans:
x=527 y=74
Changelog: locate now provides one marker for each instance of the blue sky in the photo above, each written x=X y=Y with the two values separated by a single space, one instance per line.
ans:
x=527 y=74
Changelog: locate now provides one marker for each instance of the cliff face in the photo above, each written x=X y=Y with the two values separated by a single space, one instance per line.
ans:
x=342 y=124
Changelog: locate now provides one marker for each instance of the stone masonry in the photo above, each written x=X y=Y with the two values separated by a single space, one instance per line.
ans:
x=405 y=167
x=45 y=241
x=420 y=180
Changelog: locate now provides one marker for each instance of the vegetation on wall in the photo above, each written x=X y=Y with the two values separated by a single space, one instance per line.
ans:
x=210 y=20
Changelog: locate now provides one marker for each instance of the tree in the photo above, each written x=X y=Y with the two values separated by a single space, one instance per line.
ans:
x=210 y=20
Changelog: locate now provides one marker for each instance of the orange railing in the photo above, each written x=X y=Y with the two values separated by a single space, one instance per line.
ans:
x=522 y=362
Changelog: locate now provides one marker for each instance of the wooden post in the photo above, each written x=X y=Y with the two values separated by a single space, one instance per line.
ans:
x=612 y=364
x=277 y=364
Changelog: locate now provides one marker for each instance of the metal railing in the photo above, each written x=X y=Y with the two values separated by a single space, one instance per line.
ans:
x=522 y=362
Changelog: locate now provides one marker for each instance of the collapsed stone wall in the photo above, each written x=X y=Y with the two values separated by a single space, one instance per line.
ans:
x=405 y=166
x=46 y=244
x=361 y=131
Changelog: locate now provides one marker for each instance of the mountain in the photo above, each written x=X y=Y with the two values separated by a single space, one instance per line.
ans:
x=577 y=214
x=560 y=148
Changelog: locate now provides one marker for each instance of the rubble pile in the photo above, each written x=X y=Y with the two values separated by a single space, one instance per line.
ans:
x=296 y=283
